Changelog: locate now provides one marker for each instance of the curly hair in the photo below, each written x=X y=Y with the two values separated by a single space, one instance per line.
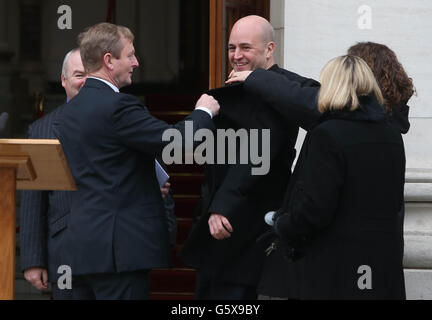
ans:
x=395 y=84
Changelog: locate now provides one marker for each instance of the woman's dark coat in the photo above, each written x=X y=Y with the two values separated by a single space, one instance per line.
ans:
x=342 y=210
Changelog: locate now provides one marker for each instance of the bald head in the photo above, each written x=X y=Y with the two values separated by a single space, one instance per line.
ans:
x=251 y=44
x=257 y=25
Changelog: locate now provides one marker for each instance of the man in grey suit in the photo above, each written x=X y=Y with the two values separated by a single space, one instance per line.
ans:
x=43 y=214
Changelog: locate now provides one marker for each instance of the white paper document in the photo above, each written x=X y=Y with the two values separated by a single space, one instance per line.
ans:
x=161 y=174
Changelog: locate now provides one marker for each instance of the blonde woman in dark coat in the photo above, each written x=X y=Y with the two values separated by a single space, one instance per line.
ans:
x=340 y=219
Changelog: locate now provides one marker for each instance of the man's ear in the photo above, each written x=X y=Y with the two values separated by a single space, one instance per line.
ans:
x=107 y=60
x=270 y=49
x=63 y=81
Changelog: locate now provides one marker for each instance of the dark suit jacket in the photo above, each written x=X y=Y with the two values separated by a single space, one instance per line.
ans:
x=243 y=198
x=117 y=220
x=43 y=214
x=280 y=93
x=296 y=101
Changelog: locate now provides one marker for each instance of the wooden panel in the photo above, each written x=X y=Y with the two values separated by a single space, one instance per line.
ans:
x=48 y=160
x=234 y=10
x=22 y=164
x=243 y=8
x=7 y=233
x=215 y=50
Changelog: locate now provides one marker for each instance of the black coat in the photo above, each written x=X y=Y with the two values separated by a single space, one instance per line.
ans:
x=243 y=198
x=399 y=118
x=346 y=203
x=283 y=277
x=283 y=96
x=117 y=221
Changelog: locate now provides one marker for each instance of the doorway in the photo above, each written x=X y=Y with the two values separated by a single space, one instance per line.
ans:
x=223 y=15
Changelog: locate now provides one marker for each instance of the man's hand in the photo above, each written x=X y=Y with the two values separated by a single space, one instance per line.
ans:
x=239 y=76
x=208 y=102
x=220 y=227
x=165 y=189
x=38 y=277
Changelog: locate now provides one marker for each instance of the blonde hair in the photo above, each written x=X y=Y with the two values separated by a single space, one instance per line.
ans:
x=100 y=39
x=343 y=80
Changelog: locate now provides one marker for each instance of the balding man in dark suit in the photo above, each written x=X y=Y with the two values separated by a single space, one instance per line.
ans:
x=222 y=244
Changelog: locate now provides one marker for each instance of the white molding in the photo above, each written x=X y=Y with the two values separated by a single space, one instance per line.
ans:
x=418 y=236
x=418 y=175
x=418 y=284
x=418 y=252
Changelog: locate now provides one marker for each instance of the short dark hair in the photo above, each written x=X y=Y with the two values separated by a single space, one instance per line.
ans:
x=100 y=39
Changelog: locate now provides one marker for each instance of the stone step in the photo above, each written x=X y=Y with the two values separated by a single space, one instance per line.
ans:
x=185 y=205
x=171 y=296
x=187 y=183
x=185 y=168
x=176 y=262
x=183 y=228
x=173 y=280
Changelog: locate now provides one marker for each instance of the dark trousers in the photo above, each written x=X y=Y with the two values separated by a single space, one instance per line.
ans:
x=57 y=294
x=112 y=286
x=210 y=287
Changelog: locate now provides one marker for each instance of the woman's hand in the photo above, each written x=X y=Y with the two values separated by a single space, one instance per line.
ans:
x=238 y=76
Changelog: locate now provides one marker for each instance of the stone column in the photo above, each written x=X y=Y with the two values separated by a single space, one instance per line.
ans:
x=277 y=18
x=418 y=233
